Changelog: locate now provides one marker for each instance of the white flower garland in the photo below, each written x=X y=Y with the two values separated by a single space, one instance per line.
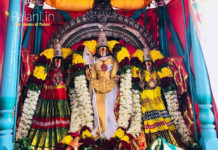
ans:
x=125 y=111
x=84 y=102
x=136 y=122
x=29 y=108
x=176 y=116
x=75 y=123
x=73 y=97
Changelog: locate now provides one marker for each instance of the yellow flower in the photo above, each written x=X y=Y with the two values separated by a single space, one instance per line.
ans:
x=91 y=45
x=66 y=52
x=125 y=138
x=139 y=54
x=148 y=75
x=155 y=55
x=86 y=134
x=48 y=53
x=165 y=72
x=67 y=140
x=39 y=72
x=134 y=72
x=77 y=59
x=123 y=53
x=111 y=45
x=143 y=109
x=119 y=133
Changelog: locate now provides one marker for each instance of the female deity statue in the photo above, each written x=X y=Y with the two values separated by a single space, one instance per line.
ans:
x=156 y=119
x=51 y=119
x=104 y=89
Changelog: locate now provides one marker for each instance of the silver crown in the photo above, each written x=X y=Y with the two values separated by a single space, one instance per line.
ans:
x=147 y=56
x=102 y=39
x=57 y=49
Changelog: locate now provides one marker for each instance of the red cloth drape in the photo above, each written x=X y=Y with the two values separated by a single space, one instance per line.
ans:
x=3 y=27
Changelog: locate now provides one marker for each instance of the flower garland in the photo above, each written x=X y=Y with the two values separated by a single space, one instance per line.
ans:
x=138 y=54
x=125 y=110
x=168 y=86
x=75 y=115
x=48 y=53
x=78 y=62
x=136 y=122
x=80 y=92
x=91 y=45
x=122 y=54
x=34 y=88
x=66 y=52
x=29 y=108
x=111 y=45
x=122 y=139
x=173 y=104
x=84 y=101
x=86 y=138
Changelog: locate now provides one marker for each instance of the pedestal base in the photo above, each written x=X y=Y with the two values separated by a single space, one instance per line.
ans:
x=6 y=140
x=210 y=144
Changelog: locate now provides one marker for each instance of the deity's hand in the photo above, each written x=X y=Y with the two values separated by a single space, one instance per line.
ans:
x=116 y=78
x=142 y=84
x=88 y=74
x=139 y=74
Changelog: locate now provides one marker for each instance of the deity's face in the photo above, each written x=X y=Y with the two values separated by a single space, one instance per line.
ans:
x=103 y=51
x=148 y=65
x=57 y=62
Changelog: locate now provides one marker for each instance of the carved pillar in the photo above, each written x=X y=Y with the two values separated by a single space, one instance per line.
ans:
x=9 y=76
x=208 y=139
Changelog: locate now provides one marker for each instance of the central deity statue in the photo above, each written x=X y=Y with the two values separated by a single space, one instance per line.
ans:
x=95 y=113
x=104 y=89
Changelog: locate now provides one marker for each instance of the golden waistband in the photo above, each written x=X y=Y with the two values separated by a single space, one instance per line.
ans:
x=54 y=86
x=103 y=85
x=102 y=74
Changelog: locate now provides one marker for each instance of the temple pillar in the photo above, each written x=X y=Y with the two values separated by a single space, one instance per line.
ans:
x=9 y=84
x=208 y=139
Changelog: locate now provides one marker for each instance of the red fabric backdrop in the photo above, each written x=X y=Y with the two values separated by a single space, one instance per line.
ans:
x=3 y=25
